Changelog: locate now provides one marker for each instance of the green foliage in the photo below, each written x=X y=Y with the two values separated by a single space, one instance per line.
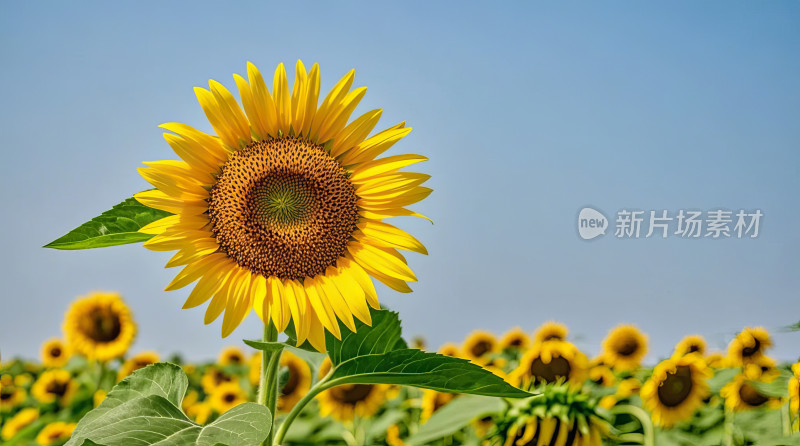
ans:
x=117 y=226
x=145 y=409
x=376 y=355
x=454 y=416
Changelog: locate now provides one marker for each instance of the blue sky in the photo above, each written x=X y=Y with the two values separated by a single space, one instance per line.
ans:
x=528 y=112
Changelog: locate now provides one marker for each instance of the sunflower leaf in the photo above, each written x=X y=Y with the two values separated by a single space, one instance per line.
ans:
x=375 y=355
x=454 y=416
x=265 y=346
x=117 y=226
x=145 y=409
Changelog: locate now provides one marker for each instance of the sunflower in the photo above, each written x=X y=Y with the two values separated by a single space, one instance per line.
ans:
x=98 y=397
x=23 y=380
x=100 y=326
x=450 y=349
x=137 y=362
x=199 y=412
x=716 y=360
x=794 y=390
x=231 y=355
x=515 y=339
x=764 y=369
x=740 y=395
x=479 y=347
x=54 y=385
x=213 y=378
x=690 y=344
x=549 y=362
x=11 y=396
x=433 y=401
x=624 y=347
x=393 y=436
x=56 y=432
x=13 y=425
x=282 y=209
x=602 y=376
x=628 y=387
x=346 y=402
x=676 y=389
x=551 y=331
x=54 y=353
x=298 y=383
x=748 y=346
x=226 y=396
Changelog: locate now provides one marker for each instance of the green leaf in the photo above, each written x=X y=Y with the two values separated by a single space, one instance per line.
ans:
x=777 y=388
x=375 y=355
x=454 y=416
x=144 y=409
x=265 y=346
x=118 y=226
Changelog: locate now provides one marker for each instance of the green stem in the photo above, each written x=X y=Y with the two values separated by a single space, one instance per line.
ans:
x=728 y=440
x=644 y=419
x=786 y=420
x=320 y=386
x=100 y=375
x=268 y=385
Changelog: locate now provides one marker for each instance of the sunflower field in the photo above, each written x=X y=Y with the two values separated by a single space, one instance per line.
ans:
x=695 y=396
x=279 y=212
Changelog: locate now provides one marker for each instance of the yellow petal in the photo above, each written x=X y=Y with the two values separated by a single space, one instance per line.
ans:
x=194 y=271
x=299 y=93
x=382 y=260
x=363 y=280
x=328 y=290
x=391 y=185
x=338 y=116
x=283 y=104
x=352 y=293
x=371 y=169
x=280 y=308
x=260 y=303
x=209 y=284
x=295 y=296
x=236 y=120
x=248 y=103
x=159 y=200
x=220 y=299
x=216 y=118
x=380 y=214
x=374 y=146
x=355 y=132
x=210 y=146
x=408 y=197
x=321 y=307
x=262 y=100
x=159 y=226
x=316 y=334
x=239 y=301
x=337 y=93
x=190 y=254
x=391 y=236
x=312 y=97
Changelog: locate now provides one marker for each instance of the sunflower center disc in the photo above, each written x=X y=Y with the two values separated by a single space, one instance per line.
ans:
x=550 y=372
x=627 y=347
x=751 y=396
x=676 y=387
x=102 y=324
x=283 y=208
x=352 y=394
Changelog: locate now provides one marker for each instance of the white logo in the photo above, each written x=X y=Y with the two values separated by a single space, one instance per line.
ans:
x=591 y=223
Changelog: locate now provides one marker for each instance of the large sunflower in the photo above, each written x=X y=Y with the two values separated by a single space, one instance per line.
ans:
x=282 y=209
x=676 y=389
x=550 y=362
x=346 y=402
x=624 y=347
x=54 y=353
x=100 y=326
x=748 y=346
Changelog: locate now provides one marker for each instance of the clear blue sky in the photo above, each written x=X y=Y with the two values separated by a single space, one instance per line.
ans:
x=528 y=112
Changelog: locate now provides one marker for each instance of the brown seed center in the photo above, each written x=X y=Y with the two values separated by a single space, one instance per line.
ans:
x=751 y=396
x=627 y=346
x=102 y=324
x=676 y=387
x=750 y=351
x=284 y=208
x=557 y=368
x=351 y=394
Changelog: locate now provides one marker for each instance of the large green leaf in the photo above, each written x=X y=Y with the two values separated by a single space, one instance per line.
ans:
x=454 y=416
x=377 y=355
x=117 y=226
x=144 y=409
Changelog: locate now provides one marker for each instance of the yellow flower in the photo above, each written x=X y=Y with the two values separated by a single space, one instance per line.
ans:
x=213 y=378
x=54 y=385
x=55 y=433
x=479 y=346
x=691 y=344
x=740 y=395
x=794 y=395
x=98 y=397
x=231 y=355
x=100 y=326
x=716 y=360
x=602 y=376
x=297 y=385
x=551 y=331
x=11 y=396
x=748 y=346
x=13 y=425
x=23 y=380
x=628 y=387
x=549 y=362
x=227 y=396
x=676 y=389
x=515 y=339
x=346 y=402
x=393 y=436
x=137 y=362
x=450 y=350
x=433 y=401
x=282 y=209
x=54 y=353
x=199 y=412
x=763 y=369
x=624 y=347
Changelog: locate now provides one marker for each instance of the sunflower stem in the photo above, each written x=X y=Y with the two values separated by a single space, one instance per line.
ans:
x=320 y=386
x=268 y=385
x=643 y=418
x=728 y=440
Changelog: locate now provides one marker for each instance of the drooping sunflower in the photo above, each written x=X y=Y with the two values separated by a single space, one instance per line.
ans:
x=624 y=347
x=479 y=347
x=764 y=369
x=100 y=326
x=602 y=376
x=231 y=355
x=716 y=360
x=13 y=425
x=433 y=401
x=213 y=378
x=54 y=353
x=690 y=344
x=281 y=211
x=137 y=362
x=628 y=387
x=551 y=331
x=676 y=389
x=54 y=385
x=11 y=396
x=740 y=395
x=56 y=432
x=550 y=362
x=226 y=396
x=748 y=346
x=346 y=402
x=515 y=339
x=297 y=385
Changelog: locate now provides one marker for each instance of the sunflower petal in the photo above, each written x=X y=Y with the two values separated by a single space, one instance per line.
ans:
x=382 y=260
x=374 y=146
x=362 y=277
x=391 y=236
x=328 y=289
x=353 y=294
x=337 y=118
x=321 y=307
x=194 y=271
x=283 y=101
x=371 y=169
x=208 y=285
x=262 y=101
x=355 y=132
x=334 y=97
x=260 y=303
